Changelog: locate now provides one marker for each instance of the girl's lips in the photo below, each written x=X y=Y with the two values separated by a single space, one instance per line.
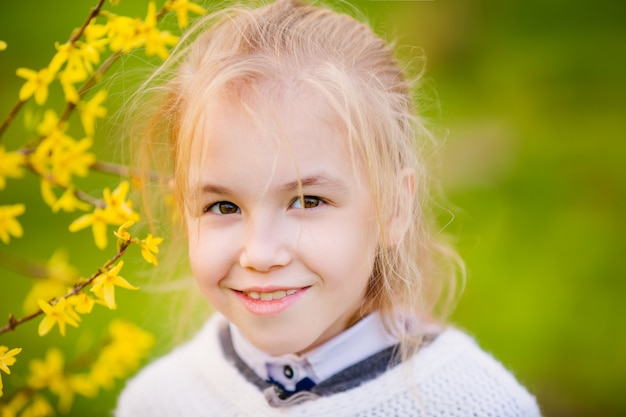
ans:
x=270 y=302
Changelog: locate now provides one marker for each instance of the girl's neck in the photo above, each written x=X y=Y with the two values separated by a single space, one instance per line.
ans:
x=365 y=338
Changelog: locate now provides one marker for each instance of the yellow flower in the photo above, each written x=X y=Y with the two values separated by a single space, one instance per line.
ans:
x=104 y=285
x=78 y=55
x=60 y=313
x=50 y=373
x=182 y=7
x=74 y=72
x=58 y=157
x=98 y=221
x=68 y=202
x=64 y=52
x=59 y=276
x=38 y=407
x=47 y=372
x=155 y=40
x=90 y=52
x=117 y=211
x=83 y=385
x=91 y=110
x=122 y=233
x=9 y=226
x=11 y=164
x=123 y=33
x=7 y=358
x=3 y=45
x=15 y=404
x=50 y=124
x=122 y=355
x=149 y=246
x=42 y=159
x=71 y=159
x=36 y=84
x=118 y=208
x=123 y=332
x=46 y=192
x=44 y=289
x=82 y=303
x=95 y=34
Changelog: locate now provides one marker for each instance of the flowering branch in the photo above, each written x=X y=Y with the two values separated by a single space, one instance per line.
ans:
x=13 y=322
x=94 y=12
x=70 y=106
x=58 y=158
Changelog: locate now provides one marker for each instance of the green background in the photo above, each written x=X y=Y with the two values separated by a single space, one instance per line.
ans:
x=533 y=99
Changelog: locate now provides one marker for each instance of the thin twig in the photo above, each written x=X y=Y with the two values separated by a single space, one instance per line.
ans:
x=70 y=107
x=24 y=266
x=121 y=170
x=81 y=195
x=7 y=121
x=94 y=12
x=75 y=36
x=111 y=168
x=13 y=322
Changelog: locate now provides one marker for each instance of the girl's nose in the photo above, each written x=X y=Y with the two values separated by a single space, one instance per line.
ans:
x=264 y=246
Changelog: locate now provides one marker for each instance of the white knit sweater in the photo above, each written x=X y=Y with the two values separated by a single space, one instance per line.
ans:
x=451 y=377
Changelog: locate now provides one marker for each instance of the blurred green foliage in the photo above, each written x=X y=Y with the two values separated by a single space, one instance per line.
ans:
x=533 y=96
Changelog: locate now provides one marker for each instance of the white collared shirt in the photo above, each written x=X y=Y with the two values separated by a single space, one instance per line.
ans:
x=367 y=337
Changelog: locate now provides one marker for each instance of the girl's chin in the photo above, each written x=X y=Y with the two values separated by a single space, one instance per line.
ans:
x=279 y=346
x=280 y=350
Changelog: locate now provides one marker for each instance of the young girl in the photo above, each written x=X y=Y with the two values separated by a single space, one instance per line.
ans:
x=294 y=150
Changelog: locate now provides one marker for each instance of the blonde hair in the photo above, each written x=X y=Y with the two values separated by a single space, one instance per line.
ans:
x=342 y=61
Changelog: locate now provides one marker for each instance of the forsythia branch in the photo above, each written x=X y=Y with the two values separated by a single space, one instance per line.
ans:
x=12 y=113
x=23 y=266
x=102 y=69
x=95 y=11
x=13 y=322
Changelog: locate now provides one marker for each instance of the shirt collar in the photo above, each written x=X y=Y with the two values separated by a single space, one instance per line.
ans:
x=367 y=337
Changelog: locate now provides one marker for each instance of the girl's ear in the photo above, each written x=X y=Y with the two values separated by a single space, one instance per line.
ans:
x=402 y=214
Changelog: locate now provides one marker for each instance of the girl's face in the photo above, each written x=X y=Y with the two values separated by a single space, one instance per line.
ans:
x=290 y=273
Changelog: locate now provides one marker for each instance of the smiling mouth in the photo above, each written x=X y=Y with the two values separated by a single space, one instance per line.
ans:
x=269 y=296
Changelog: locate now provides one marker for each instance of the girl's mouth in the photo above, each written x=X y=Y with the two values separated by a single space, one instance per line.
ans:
x=270 y=302
x=269 y=296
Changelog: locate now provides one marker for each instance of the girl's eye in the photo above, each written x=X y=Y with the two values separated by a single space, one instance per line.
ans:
x=222 y=207
x=306 y=202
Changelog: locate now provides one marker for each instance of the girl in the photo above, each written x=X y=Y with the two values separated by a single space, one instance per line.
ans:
x=294 y=151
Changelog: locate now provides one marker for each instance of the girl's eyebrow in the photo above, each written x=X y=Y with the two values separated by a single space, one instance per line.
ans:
x=215 y=189
x=316 y=180
x=313 y=180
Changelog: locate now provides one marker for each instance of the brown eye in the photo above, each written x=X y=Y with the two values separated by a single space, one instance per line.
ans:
x=306 y=202
x=222 y=207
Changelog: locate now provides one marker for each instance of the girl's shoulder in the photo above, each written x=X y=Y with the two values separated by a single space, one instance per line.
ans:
x=180 y=374
x=454 y=368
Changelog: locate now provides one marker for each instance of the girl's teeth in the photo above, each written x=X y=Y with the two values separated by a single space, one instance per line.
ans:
x=269 y=296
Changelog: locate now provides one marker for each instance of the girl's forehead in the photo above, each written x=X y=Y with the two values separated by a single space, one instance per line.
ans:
x=283 y=120
x=289 y=137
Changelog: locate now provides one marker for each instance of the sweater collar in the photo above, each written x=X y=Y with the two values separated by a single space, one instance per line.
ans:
x=365 y=338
